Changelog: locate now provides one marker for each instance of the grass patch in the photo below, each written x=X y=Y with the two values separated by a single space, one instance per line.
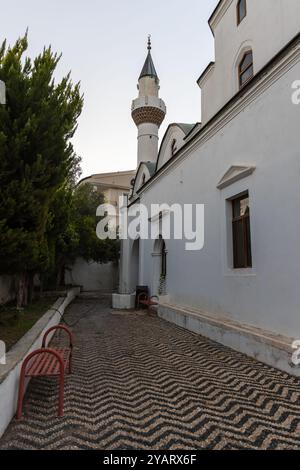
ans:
x=14 y=324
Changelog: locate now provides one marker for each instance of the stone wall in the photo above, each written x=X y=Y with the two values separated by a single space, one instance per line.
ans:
x=93 y=276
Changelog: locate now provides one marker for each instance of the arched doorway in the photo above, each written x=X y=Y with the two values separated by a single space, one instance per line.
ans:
x=134 y=268
x=160 y=267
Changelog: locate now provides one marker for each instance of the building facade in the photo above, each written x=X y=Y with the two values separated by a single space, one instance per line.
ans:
x=114 y=186
x=242 y=163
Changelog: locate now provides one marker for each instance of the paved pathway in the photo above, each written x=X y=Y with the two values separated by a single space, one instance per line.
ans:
x=142 y=383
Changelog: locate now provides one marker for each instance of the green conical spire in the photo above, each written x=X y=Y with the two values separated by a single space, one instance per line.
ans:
x=148 y=69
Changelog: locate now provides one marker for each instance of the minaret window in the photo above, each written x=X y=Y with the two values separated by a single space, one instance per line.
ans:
x=241 y=10
x=173 y=147
x=246 y=68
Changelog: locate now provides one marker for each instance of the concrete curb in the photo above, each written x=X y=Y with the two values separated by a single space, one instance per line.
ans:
x=9 y=373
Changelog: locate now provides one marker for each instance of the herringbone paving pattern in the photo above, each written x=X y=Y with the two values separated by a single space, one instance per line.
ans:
x=142 y=383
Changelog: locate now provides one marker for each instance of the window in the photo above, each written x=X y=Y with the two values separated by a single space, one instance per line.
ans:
x=144 y=179
x=241 y=10
x=242 y=257
x=246 y=68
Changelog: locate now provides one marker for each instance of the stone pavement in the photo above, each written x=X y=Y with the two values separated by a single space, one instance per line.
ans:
x=142 y=383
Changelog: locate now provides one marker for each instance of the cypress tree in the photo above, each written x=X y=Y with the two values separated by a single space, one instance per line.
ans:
x=36 y=157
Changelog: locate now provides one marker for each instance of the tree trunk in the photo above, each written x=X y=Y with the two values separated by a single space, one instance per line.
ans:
x=22 y=294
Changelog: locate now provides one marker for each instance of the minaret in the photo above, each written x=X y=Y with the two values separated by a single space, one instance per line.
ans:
x=148 y=111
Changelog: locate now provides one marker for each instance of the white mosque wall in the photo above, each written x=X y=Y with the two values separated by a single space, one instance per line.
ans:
x=267 y=28
x=264 y=134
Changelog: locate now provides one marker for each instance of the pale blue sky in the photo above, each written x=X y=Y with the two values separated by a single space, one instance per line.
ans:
x=104 y=45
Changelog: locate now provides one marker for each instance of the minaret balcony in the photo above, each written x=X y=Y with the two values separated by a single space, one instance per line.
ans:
x=148 y=109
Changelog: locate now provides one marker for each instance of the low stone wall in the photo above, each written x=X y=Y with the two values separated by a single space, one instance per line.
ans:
x=9 y=373
x=265 y=346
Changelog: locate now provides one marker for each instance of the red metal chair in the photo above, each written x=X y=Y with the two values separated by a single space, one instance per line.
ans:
x=63 y=350
x=47 y=362
x=144 y=299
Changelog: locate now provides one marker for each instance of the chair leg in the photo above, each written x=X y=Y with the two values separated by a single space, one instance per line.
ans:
x=61 y=392
x=21 y=393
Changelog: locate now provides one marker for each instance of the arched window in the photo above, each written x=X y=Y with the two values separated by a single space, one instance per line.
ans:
x=144 y=179
x=246 y=68
x=241 y=10
x=173 y=147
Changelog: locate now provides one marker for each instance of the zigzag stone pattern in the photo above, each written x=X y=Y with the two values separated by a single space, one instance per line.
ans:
x=142 y=383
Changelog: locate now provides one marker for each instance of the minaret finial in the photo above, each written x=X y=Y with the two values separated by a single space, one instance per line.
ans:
x=148 y=69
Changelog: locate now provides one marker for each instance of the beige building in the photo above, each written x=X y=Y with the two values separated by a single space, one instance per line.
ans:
x=96 y=276
x=113 y=185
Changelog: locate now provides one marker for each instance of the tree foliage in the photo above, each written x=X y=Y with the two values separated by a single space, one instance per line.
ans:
x=72 y=229
x=38 y=166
